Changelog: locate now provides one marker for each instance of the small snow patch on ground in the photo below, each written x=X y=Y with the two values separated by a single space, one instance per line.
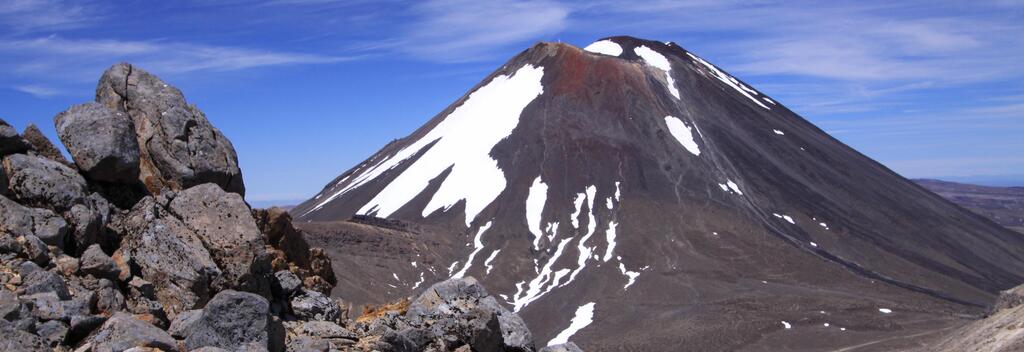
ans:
x=487 y=262
x=826 y=325
x=786 y=325
x=418 y=283
x=630 y=275
x=779 y=132
x=610 y=237
x=733 y=187
x=729 y=80
x=658 y=60
x=885 y=310
x=823 y=225
x=606 y=47
x=478 y=245
x=682 y=133
x=814 y=244
x=584 y=316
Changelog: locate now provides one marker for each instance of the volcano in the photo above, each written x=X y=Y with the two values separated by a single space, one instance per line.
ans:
x=632 y=196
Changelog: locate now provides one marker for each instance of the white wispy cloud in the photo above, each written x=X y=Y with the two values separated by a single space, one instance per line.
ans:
x=54 y=61
x=30 y=15
x=470 y=31
x=37 y=90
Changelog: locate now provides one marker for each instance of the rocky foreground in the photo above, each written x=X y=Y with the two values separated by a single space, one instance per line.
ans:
x=145 y=243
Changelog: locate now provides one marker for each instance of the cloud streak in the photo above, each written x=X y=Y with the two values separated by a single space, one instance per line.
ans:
x=55 y=61
x=461 y=31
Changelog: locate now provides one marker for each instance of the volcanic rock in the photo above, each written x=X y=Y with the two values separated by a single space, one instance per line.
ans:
x=102 y=142
x=179 y=148
x=122 y=332
x=170 y=255
x=312 y=305
x=232 y=320
x=42 y=146
x=224 y=223
x=19 y=220
x=42 y=182
x=10 y=141
x=96 y=263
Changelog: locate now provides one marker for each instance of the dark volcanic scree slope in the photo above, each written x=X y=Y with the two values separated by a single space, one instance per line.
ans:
x=633 y=196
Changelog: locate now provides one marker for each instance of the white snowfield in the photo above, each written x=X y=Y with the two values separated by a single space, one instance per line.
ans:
x=462 y=142
x=658 y=60
x=682 y=133
x=584 y=316
x=606 y=47
x=730 y=81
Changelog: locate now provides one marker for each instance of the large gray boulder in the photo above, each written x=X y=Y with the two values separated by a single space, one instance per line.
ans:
x=170 y=255
x=236 y=321
x=19 y=220
x=102 y=142
x=123 y=331
x=10 y=141
x=42 y=182
x=224 y=223
x=462 y=309
x=178 y=146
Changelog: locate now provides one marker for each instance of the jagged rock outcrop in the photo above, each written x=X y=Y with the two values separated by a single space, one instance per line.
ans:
x=87 y=262
x=10 y=141
x=179 y=148
x=41 y=146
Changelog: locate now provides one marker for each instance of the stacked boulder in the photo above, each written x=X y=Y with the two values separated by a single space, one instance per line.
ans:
x=145 y=243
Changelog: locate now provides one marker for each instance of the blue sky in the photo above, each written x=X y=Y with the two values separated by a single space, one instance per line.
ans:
x=307 y=88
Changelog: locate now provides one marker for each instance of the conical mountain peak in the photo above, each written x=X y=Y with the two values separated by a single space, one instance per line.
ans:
x=634 y=178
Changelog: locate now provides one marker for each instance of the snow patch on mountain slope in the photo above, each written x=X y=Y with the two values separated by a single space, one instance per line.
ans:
x=733 y=187
x=584 y=316
x=658 y=60
x=682 y=133
x=462 y=142
x=630 y=275
x=534 y=208
x=610 y=237
x=536 y=287
x=487 y=263
x=478 y=245
x=729 y=80
x=779 y=132
x=585 y=252
x=606 y=47
x=785 y=217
